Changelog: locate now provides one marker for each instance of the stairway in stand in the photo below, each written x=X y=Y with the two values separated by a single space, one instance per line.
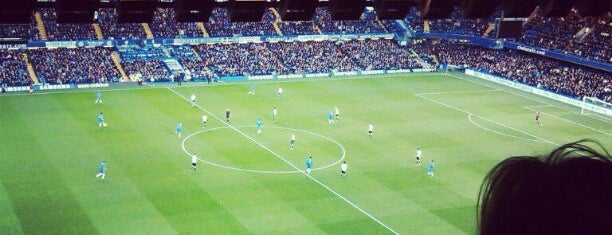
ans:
x=98 y=31
x=278 y=31
x=490 y=28
x=277 y=16
x=30 y=69
x=203 y=29
x=147 y=30
x=277 y=19
x=422 y=62
x=117 y=61
x=42 y=32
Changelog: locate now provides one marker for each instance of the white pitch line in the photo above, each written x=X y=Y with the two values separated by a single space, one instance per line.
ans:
x=570 y=121
x=202 y=84
x=500 y=133
x=458 y=92
x=539 y=106
x=342 y=155
x=524 y=96
x=487 y=119
x=289 y=163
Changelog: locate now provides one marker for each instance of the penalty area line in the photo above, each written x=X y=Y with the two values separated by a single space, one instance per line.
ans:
x=487 y=119
x=288 y=163
x=458 y=92
x=570 y=121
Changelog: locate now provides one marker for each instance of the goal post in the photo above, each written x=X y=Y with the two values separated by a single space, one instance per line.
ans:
x=595 y=107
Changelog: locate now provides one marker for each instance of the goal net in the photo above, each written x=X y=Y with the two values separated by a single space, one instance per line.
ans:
x=592 y=106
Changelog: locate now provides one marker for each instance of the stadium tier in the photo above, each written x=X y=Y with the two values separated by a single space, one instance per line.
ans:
x=13 y=71
x=74 y=65
x=587 y=37
x=531 y=69
x=64 y=32
x=111 y=28
x=162 y=29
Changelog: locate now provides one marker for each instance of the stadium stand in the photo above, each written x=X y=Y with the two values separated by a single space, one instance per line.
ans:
x=13 y=70
x=587 y=37
x=165 y=26
x=297 y=28
x=458 y=24
x=312 y=57
x=17 y=31
x=582 y=36
x=27 y=31
x=534 y=70
x=367 y=24
x=113 y=29
x=379 y=55
x=240 y=59
x=147 y=52
x=220 y=25
x=74 y=65
x=65 y=32
x=149 y=70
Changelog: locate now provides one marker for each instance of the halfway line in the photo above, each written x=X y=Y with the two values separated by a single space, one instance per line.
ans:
x=288 y=163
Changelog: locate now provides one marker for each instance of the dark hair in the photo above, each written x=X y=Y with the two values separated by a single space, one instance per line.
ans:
x=567 y=192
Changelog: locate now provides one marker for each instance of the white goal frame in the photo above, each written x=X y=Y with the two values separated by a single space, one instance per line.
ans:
x=592 y=105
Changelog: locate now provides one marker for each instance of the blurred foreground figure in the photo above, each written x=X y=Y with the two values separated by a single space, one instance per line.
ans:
x=567 y=192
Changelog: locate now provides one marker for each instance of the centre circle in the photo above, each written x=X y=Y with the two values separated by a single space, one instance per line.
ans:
x=340 y=156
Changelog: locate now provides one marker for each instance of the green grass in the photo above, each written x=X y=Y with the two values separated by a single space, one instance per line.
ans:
x=51 y=147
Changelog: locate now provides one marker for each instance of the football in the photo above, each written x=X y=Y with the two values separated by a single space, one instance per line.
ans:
x=105 y=124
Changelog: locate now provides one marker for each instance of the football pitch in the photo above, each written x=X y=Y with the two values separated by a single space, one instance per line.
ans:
x=249 y=183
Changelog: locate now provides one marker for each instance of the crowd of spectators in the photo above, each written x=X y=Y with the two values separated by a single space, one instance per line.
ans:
x=148 y=70
x=582 y=36
x=164 y=25
x=181 y=51
x=312 y=57
x=290 y=28
x=220 y=25
x=23 y=31
x=62 y=31
x=379 y=54
x=111 y=28
x=240 y=59
x=74 y=65
x=197 y=69
x=534 y=70
x=147 y=52
x=367 y=23
x=13 y=71
x=457 y=23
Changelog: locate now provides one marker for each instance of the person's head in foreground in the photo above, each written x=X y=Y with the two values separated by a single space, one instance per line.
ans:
x=567 y=192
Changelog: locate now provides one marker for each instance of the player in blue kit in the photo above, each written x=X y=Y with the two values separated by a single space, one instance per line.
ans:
x=98 y=97
x=101 y=122
x=308 y=164
x=252 y=89
x=330 y=117
x=102 y=170
x=430 y=168
x=179 y=129
x=258 y=126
